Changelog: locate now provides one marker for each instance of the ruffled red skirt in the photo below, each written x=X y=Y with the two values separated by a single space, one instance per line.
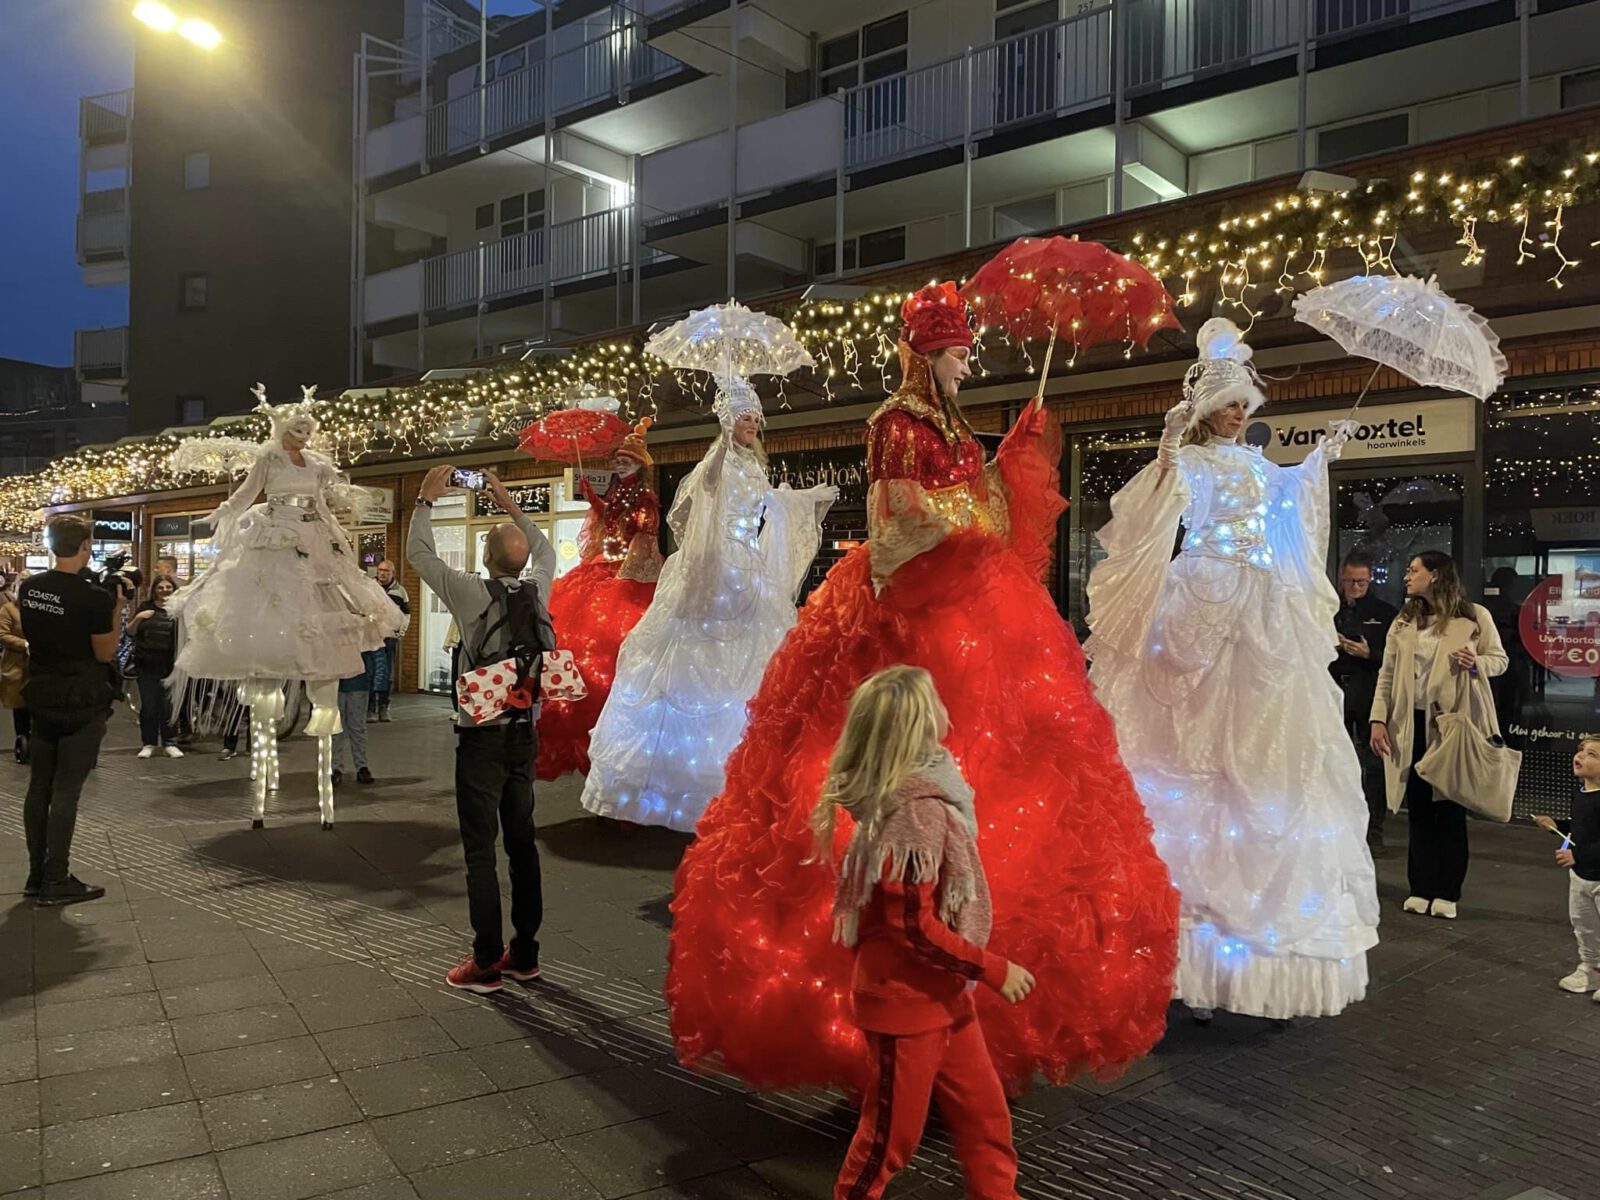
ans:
x=756 y=985
x=592 y=611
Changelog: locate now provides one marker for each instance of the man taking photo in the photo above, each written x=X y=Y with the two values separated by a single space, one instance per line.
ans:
x=1362 y=624
x=70 y=623
x=494 y=759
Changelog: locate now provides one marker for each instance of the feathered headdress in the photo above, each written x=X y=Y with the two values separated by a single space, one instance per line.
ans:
x=1223 y=374
x=283 y=416
x=736 y=398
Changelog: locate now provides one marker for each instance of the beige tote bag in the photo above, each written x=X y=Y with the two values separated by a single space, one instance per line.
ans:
x=1470 y=764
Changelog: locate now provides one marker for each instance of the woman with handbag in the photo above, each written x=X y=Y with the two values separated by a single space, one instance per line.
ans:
x=1433 y=720
x=14 y=670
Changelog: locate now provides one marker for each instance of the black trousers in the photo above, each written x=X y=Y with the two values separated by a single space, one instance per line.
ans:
x=1373 y=787
x=494 y=797
x=59 y=763
x=1436 y=860
x=22 y=722
x=156 y=727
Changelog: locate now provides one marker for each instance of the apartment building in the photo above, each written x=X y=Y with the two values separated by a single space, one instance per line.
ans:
x=47 y=411
x=217 y=189
x=596 y=165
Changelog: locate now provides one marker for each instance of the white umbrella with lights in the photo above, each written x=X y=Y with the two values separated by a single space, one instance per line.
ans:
x=730 y=341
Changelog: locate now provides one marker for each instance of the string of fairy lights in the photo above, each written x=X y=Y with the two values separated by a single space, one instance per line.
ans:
x=1239 y=254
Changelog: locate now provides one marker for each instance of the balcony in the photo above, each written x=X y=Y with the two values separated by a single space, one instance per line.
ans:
x=103 y=120
x=101 y=354
x=589 y=247
x=603 y=69
x=103 y=231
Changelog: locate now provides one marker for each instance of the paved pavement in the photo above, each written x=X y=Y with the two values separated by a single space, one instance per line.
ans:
x=261 y=1016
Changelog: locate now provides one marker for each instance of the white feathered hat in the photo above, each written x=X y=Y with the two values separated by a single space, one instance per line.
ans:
x=282 y=416
x=1223 y=374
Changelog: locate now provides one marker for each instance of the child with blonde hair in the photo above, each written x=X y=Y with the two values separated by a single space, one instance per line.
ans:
x=913 y=903
x=1580 y=855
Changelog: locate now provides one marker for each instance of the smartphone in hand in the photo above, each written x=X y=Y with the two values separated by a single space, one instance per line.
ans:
x=471 y=480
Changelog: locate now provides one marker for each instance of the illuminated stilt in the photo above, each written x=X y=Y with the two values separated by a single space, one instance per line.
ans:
x=262 y=743
x=324 y=723
x=325 y=779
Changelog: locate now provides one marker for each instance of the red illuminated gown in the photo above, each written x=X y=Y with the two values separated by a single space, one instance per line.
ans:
x=593 y=606
x=949 y=581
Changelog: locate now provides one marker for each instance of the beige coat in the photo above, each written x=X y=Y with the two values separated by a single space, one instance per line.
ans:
x=13 y=657
x=1396 y=696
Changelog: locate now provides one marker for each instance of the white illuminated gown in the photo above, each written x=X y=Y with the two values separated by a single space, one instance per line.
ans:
x=689 y=667
x=1215 y=667
x=285 y=597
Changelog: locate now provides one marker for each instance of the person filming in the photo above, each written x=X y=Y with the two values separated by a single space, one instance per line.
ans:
x=494 y=757
x=70 y=623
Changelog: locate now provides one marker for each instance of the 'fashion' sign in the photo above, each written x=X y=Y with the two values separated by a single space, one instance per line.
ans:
x=1382 y=431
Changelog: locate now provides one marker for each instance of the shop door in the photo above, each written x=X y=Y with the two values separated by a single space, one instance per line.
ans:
x=1394 y=515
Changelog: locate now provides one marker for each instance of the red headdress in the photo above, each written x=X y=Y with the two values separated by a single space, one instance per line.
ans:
x=935 y=317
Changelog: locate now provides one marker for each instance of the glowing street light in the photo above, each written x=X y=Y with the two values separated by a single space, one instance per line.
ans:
x=201 y=33
x=156 y=15
x=159 y=17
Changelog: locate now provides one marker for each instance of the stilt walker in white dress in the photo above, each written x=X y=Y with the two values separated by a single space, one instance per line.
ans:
x=725 y=599
x=1214 y=664
x=285 y=599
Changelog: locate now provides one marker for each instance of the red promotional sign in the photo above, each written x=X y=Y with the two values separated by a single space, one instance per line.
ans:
x=1567 y=647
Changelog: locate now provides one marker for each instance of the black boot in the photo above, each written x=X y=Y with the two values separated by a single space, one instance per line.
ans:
x=22 y=750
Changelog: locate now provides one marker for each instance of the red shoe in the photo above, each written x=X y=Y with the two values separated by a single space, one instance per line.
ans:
x=511 y=971
x=470 y=977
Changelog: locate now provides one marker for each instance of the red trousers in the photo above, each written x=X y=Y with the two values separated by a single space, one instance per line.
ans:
x=953 y=1064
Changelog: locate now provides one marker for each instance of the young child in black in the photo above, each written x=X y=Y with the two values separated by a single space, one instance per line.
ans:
x=1580 y=853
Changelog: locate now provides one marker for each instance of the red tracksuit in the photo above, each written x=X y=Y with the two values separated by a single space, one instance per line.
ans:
x=912 y=991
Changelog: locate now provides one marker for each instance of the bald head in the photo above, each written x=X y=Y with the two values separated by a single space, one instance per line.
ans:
x=505 y=551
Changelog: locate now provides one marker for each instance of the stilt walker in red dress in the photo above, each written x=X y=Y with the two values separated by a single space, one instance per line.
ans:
x=594 y=605
x=950 y=581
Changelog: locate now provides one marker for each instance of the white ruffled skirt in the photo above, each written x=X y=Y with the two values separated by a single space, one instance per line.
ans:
x=284 y=600
x=1234 y=733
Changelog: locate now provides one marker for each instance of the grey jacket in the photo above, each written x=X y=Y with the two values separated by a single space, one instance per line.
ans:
x=465 y=593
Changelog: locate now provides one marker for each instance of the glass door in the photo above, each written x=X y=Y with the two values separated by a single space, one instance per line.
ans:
x=1394 y=515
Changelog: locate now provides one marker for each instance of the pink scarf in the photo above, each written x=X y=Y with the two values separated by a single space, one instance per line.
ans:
x=930 y=835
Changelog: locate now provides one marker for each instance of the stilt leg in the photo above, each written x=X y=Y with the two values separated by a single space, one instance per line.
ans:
x=262 y=736
x=323 y=725
x=325 y=779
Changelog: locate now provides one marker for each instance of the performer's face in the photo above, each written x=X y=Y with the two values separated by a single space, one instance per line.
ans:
x=747 y=429
x=950 y=367
x=625 y=465
x=296 y=436
x=1226 y=421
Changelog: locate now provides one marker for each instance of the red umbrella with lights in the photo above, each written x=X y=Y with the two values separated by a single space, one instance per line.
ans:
x=1058 y=287
x=591 y=428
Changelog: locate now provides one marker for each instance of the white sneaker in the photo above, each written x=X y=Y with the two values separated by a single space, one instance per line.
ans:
x=1443 y=908
x=1415 y=904
x=147 y=752
x=172 y=752
x=1583 y=979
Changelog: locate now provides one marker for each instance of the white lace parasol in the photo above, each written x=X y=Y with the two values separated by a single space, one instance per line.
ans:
x=1403 y=322
x=728 y=340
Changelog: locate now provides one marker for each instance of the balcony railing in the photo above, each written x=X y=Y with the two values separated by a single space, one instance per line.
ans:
x=104 y=118
x=103 y=224
x=607 y=66
x=588 y=246
x=1069 y=65
x=101 y=353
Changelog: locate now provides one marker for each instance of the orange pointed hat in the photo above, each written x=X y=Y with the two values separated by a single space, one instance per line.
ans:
x=633 y=445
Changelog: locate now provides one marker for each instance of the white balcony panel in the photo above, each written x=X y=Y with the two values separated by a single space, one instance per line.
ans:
x=394 y=146
x=101 y=352
x=802 y=143
x=102 y=234
x=110 y=157
x=393 y=293
x=684 y=178
x=97 y=393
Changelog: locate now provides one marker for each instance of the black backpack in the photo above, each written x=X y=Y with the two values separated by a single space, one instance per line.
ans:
x=528 y=631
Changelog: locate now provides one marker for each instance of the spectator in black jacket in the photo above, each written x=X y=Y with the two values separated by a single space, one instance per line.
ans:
x=155 y=646
x=378 y=706
x=1362 y=625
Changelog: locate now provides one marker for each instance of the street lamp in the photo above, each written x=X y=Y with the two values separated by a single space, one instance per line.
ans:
x=159 y=17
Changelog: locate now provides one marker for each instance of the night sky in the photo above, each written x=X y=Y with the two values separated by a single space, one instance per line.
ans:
x=51 y=53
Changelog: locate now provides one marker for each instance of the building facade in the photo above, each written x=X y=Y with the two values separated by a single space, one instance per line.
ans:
x=46 y=412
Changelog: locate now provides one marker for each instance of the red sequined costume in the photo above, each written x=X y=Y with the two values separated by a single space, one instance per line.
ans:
x=949 y=581
x=594 y=605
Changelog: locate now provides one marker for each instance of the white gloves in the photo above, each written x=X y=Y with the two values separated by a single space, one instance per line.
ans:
x=1177 y=421
x=1339 y=432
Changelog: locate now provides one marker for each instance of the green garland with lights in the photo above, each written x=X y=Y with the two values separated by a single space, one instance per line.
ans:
x=1275 y=245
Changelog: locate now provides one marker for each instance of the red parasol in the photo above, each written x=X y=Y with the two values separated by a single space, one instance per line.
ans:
x=569 y=434
x=1058 y=287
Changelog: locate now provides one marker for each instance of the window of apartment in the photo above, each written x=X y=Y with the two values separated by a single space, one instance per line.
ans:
x=1022 y=217
x=872 y=52
x=521 y=212
x=875 y=249
x=1363 y=138
x=483 y=216
x=191 y=410
x=197 y=169
x=192 y=291
x=1580 y=89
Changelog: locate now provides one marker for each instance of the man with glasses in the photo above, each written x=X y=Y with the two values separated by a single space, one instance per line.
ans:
x=1362 y=625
